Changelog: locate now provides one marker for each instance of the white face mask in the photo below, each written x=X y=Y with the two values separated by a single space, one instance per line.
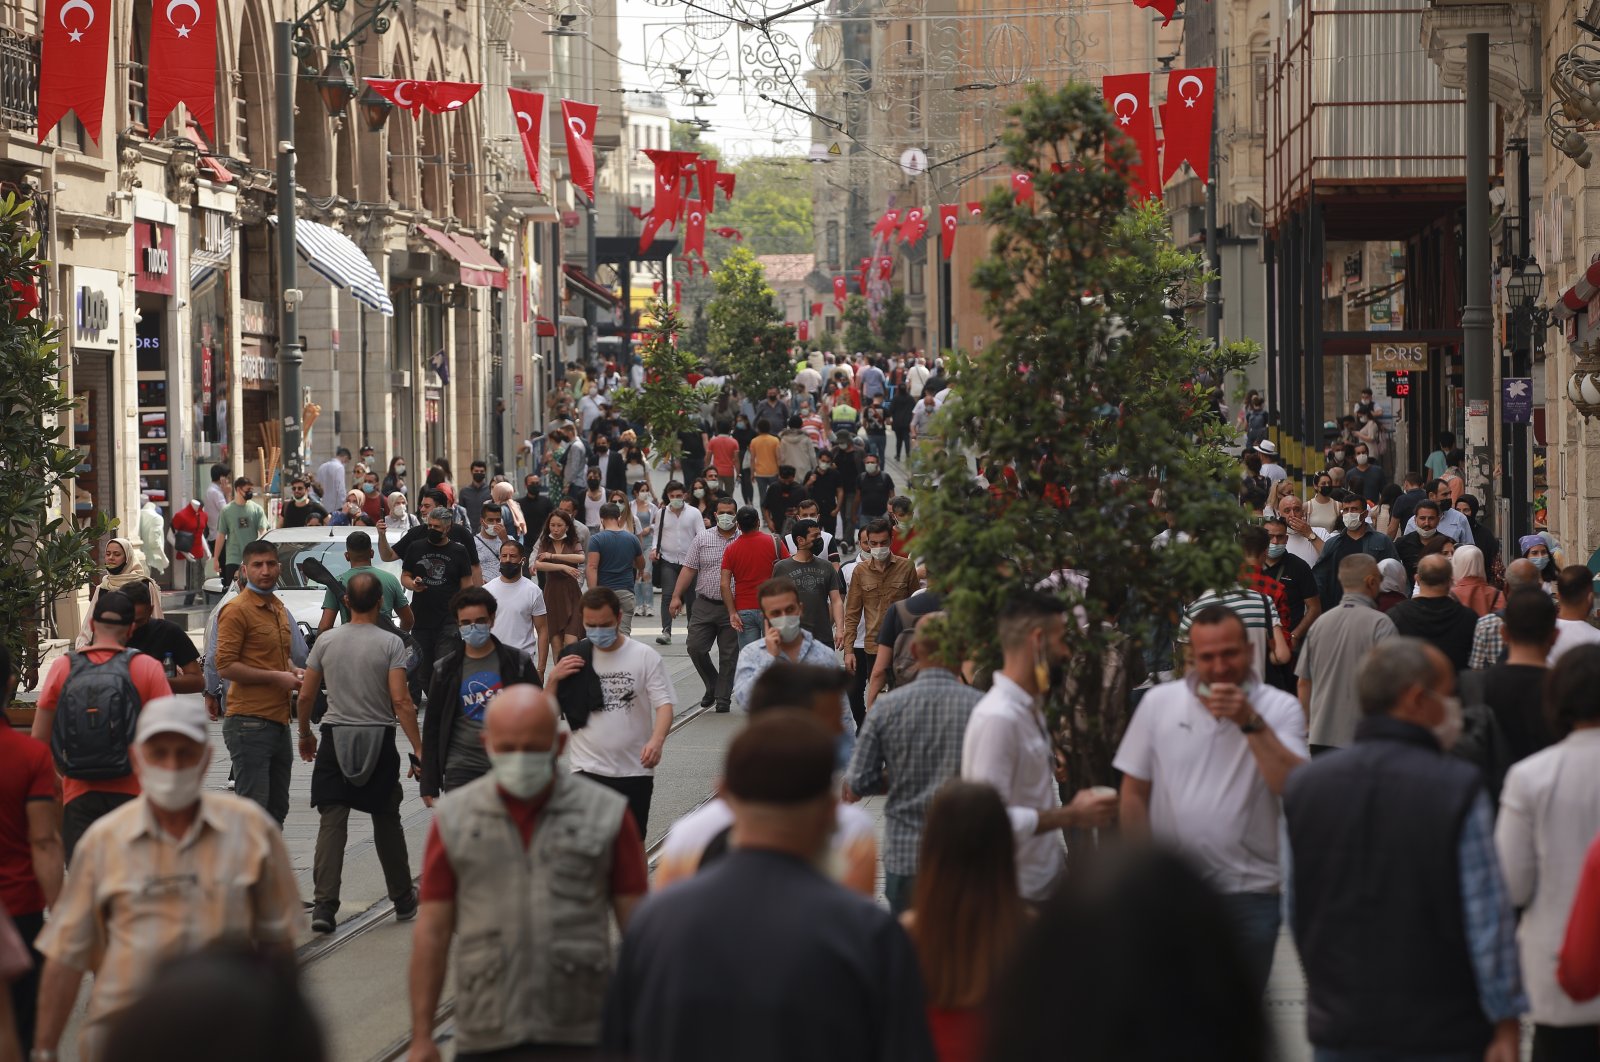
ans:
x=1362 y=459
x=788 y=627
x=1353 y=521
x=1448 y=731
x=172 y=790
x=880 y=553
x=522 y=774
x=1427 y=532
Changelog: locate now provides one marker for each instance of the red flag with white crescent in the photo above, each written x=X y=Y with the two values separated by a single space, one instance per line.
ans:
x=1186 y=120
x=403 y=93
x=183 y=63
x=1167 y=8
x=442 y=97
x=728 y=233
x=910 y=224
x=652 y=225
x=1022 y=187
x=975 y=210
x=726 y=181
x=1128 y=98
x=803 y=331
x=528 y=110
x=885 y=268
x=706 y=183
x=840 y=290
x=694 y=231
x=816 y=309
x=579 y=120
x=947 y=228
x=73 y=60
x=887 y=223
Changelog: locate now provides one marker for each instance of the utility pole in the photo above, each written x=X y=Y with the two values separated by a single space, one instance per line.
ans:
x=290 y=353
x=1476 y=319
x=1213 y=263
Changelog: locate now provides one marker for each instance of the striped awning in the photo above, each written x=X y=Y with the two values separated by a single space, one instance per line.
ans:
x=1577 y=297
x=336 y=256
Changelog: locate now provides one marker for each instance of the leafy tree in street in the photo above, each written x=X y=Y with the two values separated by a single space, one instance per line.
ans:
x=42 y=555
x=859 y=336
x=1090 y=405
x=747 y=335
x=771 y=208
x=893 y=317
x=698 y=339
x=663 y=407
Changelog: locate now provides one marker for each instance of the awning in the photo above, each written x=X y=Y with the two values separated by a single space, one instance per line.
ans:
x=589 y=287
x=1577 y=297
x=336 y=256
x=215 y=170
x=544 y=327
x=478 y=267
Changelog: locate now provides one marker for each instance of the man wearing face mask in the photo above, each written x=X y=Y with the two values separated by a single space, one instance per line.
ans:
x=786 y=639
x=466 y=677
x=536 y=505
x=1305 y=540
x=472 y=496
x=1410 y=545
x=621 y=743
x=491 y=535
x=520 y=621
x=1354 y=536
x=1007 y=743
x=528 y=866
x=241 y=523
x=879 y=581
x=434 y=570
x=678 y=525
x=1299 y=588
x=709 y=621
x=300 y=506
x=189 y=870
x=1451 y=522
x=1432 y=971
x=1330 y=657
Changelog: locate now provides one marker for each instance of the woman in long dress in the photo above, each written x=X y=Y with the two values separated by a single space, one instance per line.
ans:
x=561 y=558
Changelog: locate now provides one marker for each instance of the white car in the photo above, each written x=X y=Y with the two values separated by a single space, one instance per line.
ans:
x=302 y=596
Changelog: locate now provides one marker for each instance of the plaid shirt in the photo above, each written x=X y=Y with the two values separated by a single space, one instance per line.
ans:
x=910 y=745
x=1488 y=642
x=1491 y=923
x=1252 y=577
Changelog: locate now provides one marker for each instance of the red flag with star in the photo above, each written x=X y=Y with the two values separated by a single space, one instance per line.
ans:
x=403 y=93
x=947 y=228
x=887 y=223
x=183 y=63
x=803 y=331
x=706 y=183
x=1128 y=98
x=579 y=120
x=840 y=290
x=73 y=60
x=528 y=109
x=885 y=268
x=442 y=97
x=1186 y=120
x=1022 y=187
x=694 y=231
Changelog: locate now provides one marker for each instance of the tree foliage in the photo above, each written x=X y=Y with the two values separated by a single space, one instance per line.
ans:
x=771 y=208
x=42 y=555
x=893 y=317
x=859 y=336
x=747 y=336
x=1097 y=400
x=664 y=406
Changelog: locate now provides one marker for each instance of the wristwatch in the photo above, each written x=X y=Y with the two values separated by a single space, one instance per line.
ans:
x=1255 y=724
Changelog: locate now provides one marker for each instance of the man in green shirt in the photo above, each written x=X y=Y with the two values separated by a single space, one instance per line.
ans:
x=393 y=607
x=243 y=522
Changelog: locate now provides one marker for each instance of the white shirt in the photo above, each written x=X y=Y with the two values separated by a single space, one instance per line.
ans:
x=635 y=683
x=1274 y=471
x=330 y=474
x=1571 y=634
x=825 y=552
x=588 y=413
x=1007 y=745
x=1207 y=795
x=216 y=501
x=676 y=531
x=1300 y=545
x=516 y=604
x=809 y=378
x=689 y=837
x=916 y=376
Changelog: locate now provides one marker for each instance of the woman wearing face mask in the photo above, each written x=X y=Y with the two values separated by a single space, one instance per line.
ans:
x=700 y=497
x=399 y=519
x=1322 y=511
x=593 y=499
x=350 y=512
x=560 y=557
x=1537 y=550
x=637 y=471
x=643 y=511
x=396 y=479
x=122 y=566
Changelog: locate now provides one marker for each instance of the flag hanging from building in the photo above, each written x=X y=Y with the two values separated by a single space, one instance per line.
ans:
x=579 y=120
x=1128 y=96
x=728 y=233
x=885 y=267
x=975 y=210
x=803 y=331
x=694 y=229
x=840 y=290
x=912 y=223
x=1186 y=120
x=1022 y=187
x=528 y=109
x=887 y=223
x=816 y=309
x=436 y=97
x=947 y=229
x=726 y=181
x=183 y=63
x=1167 y=8
x=441 y=366
x=73 y=59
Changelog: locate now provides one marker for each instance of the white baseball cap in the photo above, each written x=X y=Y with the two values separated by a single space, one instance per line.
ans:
x=172 y=715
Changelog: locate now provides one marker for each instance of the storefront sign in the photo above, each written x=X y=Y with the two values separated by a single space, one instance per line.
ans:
x=153 y=257
x=96 y=314
x=258 y=371
x=255 y=319
x=1516 y=400
x=1399 y=357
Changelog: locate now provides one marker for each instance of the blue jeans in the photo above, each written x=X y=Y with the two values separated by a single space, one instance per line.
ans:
x=262 y=759
x=897 y=889
x=876 y=444
x=1257 y=917
x=751 y=618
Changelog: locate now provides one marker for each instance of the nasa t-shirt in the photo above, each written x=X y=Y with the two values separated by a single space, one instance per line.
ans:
x=480 y=681
x=635 y=683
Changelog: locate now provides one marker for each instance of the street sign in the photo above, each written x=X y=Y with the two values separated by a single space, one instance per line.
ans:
x=833 y=149
x=1399 y=357
x=1516 y=400
x=913 y=161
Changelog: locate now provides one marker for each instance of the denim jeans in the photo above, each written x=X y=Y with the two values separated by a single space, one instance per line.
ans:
x=877 y=443
x=751 y=618
x=1257 y=917
x=262 y=759
x=897 y=889
x=669 y=582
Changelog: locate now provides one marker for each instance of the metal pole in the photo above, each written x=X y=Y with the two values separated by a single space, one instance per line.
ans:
x=1476 y=320
x=946 y=293
x=290 y=354
x=593 y=260
x=1213 y=264
x=1518 y=459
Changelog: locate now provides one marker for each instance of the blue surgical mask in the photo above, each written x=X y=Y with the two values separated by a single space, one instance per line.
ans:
x=1276 y=550
x=475 y=635
x=602 y=637
x=268 y=592
x=1541 y=562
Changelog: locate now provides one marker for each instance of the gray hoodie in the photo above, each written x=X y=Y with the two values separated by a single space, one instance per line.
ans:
x=796 y=448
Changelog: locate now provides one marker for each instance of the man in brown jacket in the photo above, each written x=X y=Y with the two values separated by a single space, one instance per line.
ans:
x=879 y=581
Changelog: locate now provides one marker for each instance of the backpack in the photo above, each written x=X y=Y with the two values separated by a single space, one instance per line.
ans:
x=903 y=664
x=95 y=718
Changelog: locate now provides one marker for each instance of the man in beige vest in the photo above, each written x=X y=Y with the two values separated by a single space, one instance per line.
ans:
x=525 y=866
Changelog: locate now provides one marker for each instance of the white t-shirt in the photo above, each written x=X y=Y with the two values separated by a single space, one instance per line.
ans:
x=1274 y=472
x=1571 y=634
x=1207 y=795
x=686 y=842
x=845 y=573
x=635 y=682
x=516 y=604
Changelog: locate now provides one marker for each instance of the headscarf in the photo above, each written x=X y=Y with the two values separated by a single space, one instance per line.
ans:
x=1527 y=542
x=1394 y=576
x=1469 y=587
x=1467 y=564
x=133 y=569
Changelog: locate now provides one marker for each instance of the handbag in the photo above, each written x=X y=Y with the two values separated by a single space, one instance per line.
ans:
x=183 y=541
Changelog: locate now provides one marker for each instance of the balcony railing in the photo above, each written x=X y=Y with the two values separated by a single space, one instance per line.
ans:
x=19 y=80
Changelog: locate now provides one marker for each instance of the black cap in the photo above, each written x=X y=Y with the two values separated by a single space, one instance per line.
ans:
x=113 y=607
x=358 y=542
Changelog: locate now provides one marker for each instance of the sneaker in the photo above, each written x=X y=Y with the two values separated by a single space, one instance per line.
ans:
x=406 y=909
x=663 y=638
x=708 y=700
x=722 y=709
x=322 y=918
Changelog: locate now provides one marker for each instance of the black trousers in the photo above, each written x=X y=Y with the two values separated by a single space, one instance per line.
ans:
x=25 y=989
x=562 y=1052
x=1566 y=1043
x=858 y=684
x=81 y=813
x=637 y=788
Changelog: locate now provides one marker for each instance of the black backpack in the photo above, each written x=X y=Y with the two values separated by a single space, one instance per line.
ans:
x=95 y=718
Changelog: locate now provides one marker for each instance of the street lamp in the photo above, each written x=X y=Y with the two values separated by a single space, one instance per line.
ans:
x=336 y=85
x=374 y=110
x=1525 y=285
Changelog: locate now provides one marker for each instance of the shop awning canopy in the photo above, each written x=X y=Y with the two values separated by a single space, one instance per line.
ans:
x=478 y=267
x=1577 y=297
x=336 y=256
x=544 y=326
x=589 y=287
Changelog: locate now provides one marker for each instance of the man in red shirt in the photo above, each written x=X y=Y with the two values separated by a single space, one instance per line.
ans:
x=746 y=564
x=86 y=801
x=31 y=861
x=723 y=450
x=541 y=915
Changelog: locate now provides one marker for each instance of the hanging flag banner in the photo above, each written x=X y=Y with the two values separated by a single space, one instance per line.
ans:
x=694 y=231
x=816 y=309
x=183 y=64
x=947 y=229
x=579 y=120
x=912 y=222
x=887 y=223
x=803 y=331
x=1128 y=97
x=728 y=233
x=726 y=181
x=1022 y=187
x=1167 y=8
x=706 y=183
x=1186 y=120
x=885 y=268
x=73 y=59
x=436 y=97
x=840 y=290
x=974 y=210
x=528 y=109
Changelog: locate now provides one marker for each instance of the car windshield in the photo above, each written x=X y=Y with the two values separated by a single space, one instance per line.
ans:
x=329 y=551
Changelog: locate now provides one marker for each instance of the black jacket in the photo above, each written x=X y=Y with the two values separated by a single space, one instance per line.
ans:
x=444 y=702
x=1443 y=622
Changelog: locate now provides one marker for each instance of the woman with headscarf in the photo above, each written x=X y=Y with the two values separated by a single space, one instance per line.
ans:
x=1468 y=505
x=1470 y=585
x=398 y=520
x=123 y=566
x=1393 y=590
x=1537 y=550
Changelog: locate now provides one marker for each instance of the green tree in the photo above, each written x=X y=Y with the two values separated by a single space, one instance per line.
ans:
x=858 y=333
x=747 y=335
x=893 y=317
x=685 y=136
x=771 y=208
x=1099 y=402
x=663 y=407
x=698 y=339
x=42 y=555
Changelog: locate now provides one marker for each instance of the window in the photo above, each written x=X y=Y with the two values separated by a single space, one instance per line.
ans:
x=1260 y=72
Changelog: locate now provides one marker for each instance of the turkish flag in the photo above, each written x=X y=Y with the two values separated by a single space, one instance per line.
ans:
x=694 y=232
x=1128 y=98
x=183 y=63
x=441 y=97
x=407 y=95
x=816 y=309
x=914 y=234
x=887 y=224
x=840 y=289
x=947 y=229
x=652 y=225
x=528 y=109
x=579 y=119
x=1022 y=187
x=912 y=222
x=670 y=166
x=803 y=331
x=677 y=293
x=885 y=268
x=974 y=210
x=1167 y=8
x=706 y=183
x=726 y=181
x=728 y=233
x=1186 y=120
x=73 y=61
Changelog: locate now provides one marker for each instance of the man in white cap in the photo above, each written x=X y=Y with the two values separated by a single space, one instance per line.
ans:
x=1269 y=461
x=171 y=872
